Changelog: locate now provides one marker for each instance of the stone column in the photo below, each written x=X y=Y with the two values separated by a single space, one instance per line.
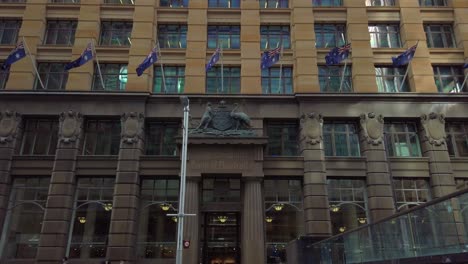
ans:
x=192 y=223
x=252 y=225
x=250 y=48
x=379 y=184
x=316 y=209
x=60 y=200
x=123 y=227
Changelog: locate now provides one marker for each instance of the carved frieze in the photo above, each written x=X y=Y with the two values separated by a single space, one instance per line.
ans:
x=434 y=128
x=373 y=127
x=132 y=127
x=9 y=121
x=311 y=127
x=70 y=126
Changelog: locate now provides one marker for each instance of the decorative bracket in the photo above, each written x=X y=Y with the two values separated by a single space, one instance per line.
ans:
x=70 y=126
x=132 y=127
x=434 y=128
x=373 y=127
x=311 y=128
x=9 y=121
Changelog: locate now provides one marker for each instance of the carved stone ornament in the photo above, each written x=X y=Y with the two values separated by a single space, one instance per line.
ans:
x=70 y=126
x=311 y=127
x=9 y=121
x=434 y=128
x=132 y=127
x=373 y=127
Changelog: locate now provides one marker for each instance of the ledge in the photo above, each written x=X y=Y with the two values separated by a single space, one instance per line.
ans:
x=33 y=157
x=283 y=158
x=211 y=140
x=159 y=158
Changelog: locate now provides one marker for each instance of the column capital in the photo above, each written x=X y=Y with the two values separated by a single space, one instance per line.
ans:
x=434 y=128
x=372 y=126
x=70 y=126
x=9 y=122
x=132 y=127
x=311 y=128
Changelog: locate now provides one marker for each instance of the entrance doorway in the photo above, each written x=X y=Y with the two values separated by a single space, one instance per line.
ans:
x=221 y=238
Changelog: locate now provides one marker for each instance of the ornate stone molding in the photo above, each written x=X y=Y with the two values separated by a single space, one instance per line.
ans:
x=434 y=128
x=70 y=126
x=132 y=127
x=311 y=128
x=9 y=121
x=373 y=127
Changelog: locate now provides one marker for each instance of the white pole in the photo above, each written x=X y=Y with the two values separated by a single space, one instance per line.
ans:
x=98 y=66
x=407 y=69
x=222 y=67
x=343 y=74
x=463 y=84
x=33 y=63
x=281 y=67
x=162 y=68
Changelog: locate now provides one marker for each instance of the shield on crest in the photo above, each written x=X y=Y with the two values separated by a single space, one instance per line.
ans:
x=222 y=120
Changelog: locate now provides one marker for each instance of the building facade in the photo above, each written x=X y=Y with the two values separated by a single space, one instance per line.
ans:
x=90 y=165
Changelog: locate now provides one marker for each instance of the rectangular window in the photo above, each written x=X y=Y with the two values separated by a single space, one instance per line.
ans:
x=274 y=3
x=449 y=79
x=330 y=35
x=119 y=2
x=402 y=140
x=327 y=3
x=410 y=192
x=9 y=30
x=283 y=138
x=3 y=77
x=227 y=37
x=65 y=1
x=433 y=2
x=380 y=2
x=272 y=84
x=40 y=137
x=440 y=36
x=115 y=33
x=160 y=138
x=102 y=137
x=341 y=139
x=224 y=3
x=174 y=77
x=389 y=79
x=114 y=76
x=330 y=78
x=172 y=36
x=60 y=32
x=385 y=36
x=230 y=81
x=174 y=3
x=53 y=76
x=457 y=139
x=274 y=36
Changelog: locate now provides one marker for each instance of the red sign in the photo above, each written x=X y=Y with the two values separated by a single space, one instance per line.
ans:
x=186 y=243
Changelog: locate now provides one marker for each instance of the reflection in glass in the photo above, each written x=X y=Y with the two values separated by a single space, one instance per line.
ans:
x=330 y=79
x=389 y=79
x=272 y=84
x=283 y=139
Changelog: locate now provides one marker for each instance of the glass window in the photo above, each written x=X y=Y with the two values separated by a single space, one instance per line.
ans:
x=449 y=79
x=174 y=77
x=40 y=137
x=65 y=1
x=283 y=138
x=402 y=140
x=457 y=139
x=102 y=137
x=174 y=3
x=53 y=76
x=114 y=77
x=380 y=2
x=341 y=139
x=9 y=30
x=61 y=32
x=326 y=3
x=440 y=36
x=330 y=78
x=348 y=204
x=92 y=211
x=385 y=36
x=410 y=192
x=330 y=35
x=3 y=77
x=274 y=3
x=115 y=33
x=157 y=231
x=230 y=80
x=173 y=36
x=274 y=36
x=119 y=2
x=228 y=37
x=24 y=216
x=160 y=138
x=221 y=190
x=433 y=2
x=389 y=79
x=273 y=84
x=224 y=3
x=461 y=184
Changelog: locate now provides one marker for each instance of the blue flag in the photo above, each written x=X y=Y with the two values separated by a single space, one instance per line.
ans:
x=214 y=58
x=465 y=66
x=149 y=60
x=405 y=57
x=270 y=57
x=86 y=56
x=15 y=55
x=338 y=54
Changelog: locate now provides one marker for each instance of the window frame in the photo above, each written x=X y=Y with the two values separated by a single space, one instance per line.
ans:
x=443 y=33
x=327 y=3
x=113 y=136
x=108 y=32
x=339 y=32
x=279 y=4
x=347 y=83
x=46 y=74
x=398 y=74
x=165 y=35
x=267 y=34
x=231 y=78
x=52 y=136
x=452 y=137
x=220 y=4
x=174 y=3
x=348 y=134
x=97 y=86
x=391 y=145
x=401 y=204
x=219 y=34
x=268 y=80
x=151 y=127
x=53 y=34
x=433 y=3
x=15 y=30
x=383 y=3
x=457 y=76
x=170 y=79
x=390 y=34
x=283 y=124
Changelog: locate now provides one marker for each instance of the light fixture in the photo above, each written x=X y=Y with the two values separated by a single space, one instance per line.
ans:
x=222 y=218
x=278 y=207
x=174 y=218
x=165 y=206
x=362 y=220
x=82 y=219
x=269 y=219
x=334 y=208
x=342 y=229
x=108 y=206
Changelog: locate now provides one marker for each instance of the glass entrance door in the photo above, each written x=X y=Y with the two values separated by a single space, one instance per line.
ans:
x=221 y=238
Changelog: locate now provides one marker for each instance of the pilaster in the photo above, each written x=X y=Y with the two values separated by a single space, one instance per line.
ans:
x=192 y=223
x=460 y=26
x=250 y=48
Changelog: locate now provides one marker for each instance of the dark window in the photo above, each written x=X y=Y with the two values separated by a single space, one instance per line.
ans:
x=61 y=32
x=274 y=3
x=114 y=77
x=102 y=137
x=457 y=139
x=3 y=77
x=230 y=80
x=9 y=30
x=433 y=2
x=440 y=36
x=160 y=138
x=410 y=192
x=174 y=77
x=221 y=190
x=65 y=1
x=330 y=78
x=341 y=139
x=329 y=35
x=40 y=137
x=224 y=3
x=449 y=79
x=272 y=84
x=12 y=1
x=275 y=36
x=53 y=75
x=380 y=2
x=385 y=36
x=119 y=2
x=389 y=79
x=227 y=37
x=327 y=3
x=172 y=36
x=115 y=33
x=283 y=139
x=402 y=140
x=174 y=3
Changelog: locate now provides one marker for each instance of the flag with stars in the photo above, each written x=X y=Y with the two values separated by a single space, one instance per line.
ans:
x=338 y=54
x=86 y=56
x=270 y=57
x=15 y=55
x=213 y=60
x=147 y=62
x=405 y=57
x=465 y=66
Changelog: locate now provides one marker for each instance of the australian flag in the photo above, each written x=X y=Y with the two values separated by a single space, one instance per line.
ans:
x=465 y=66
x=214 y=58
x=338 y=54
x=270 y=57
x=149 y=60
x=17 y=54
x=86 y=56
x=405 y=57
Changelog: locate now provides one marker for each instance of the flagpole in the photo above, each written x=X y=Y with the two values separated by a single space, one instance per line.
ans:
x=407 y=69
x=98 y=66
x=343 y=74
x=222 y=66
x=33 y=63
x=281 y=66
x=162 y=67
x=464 y=82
